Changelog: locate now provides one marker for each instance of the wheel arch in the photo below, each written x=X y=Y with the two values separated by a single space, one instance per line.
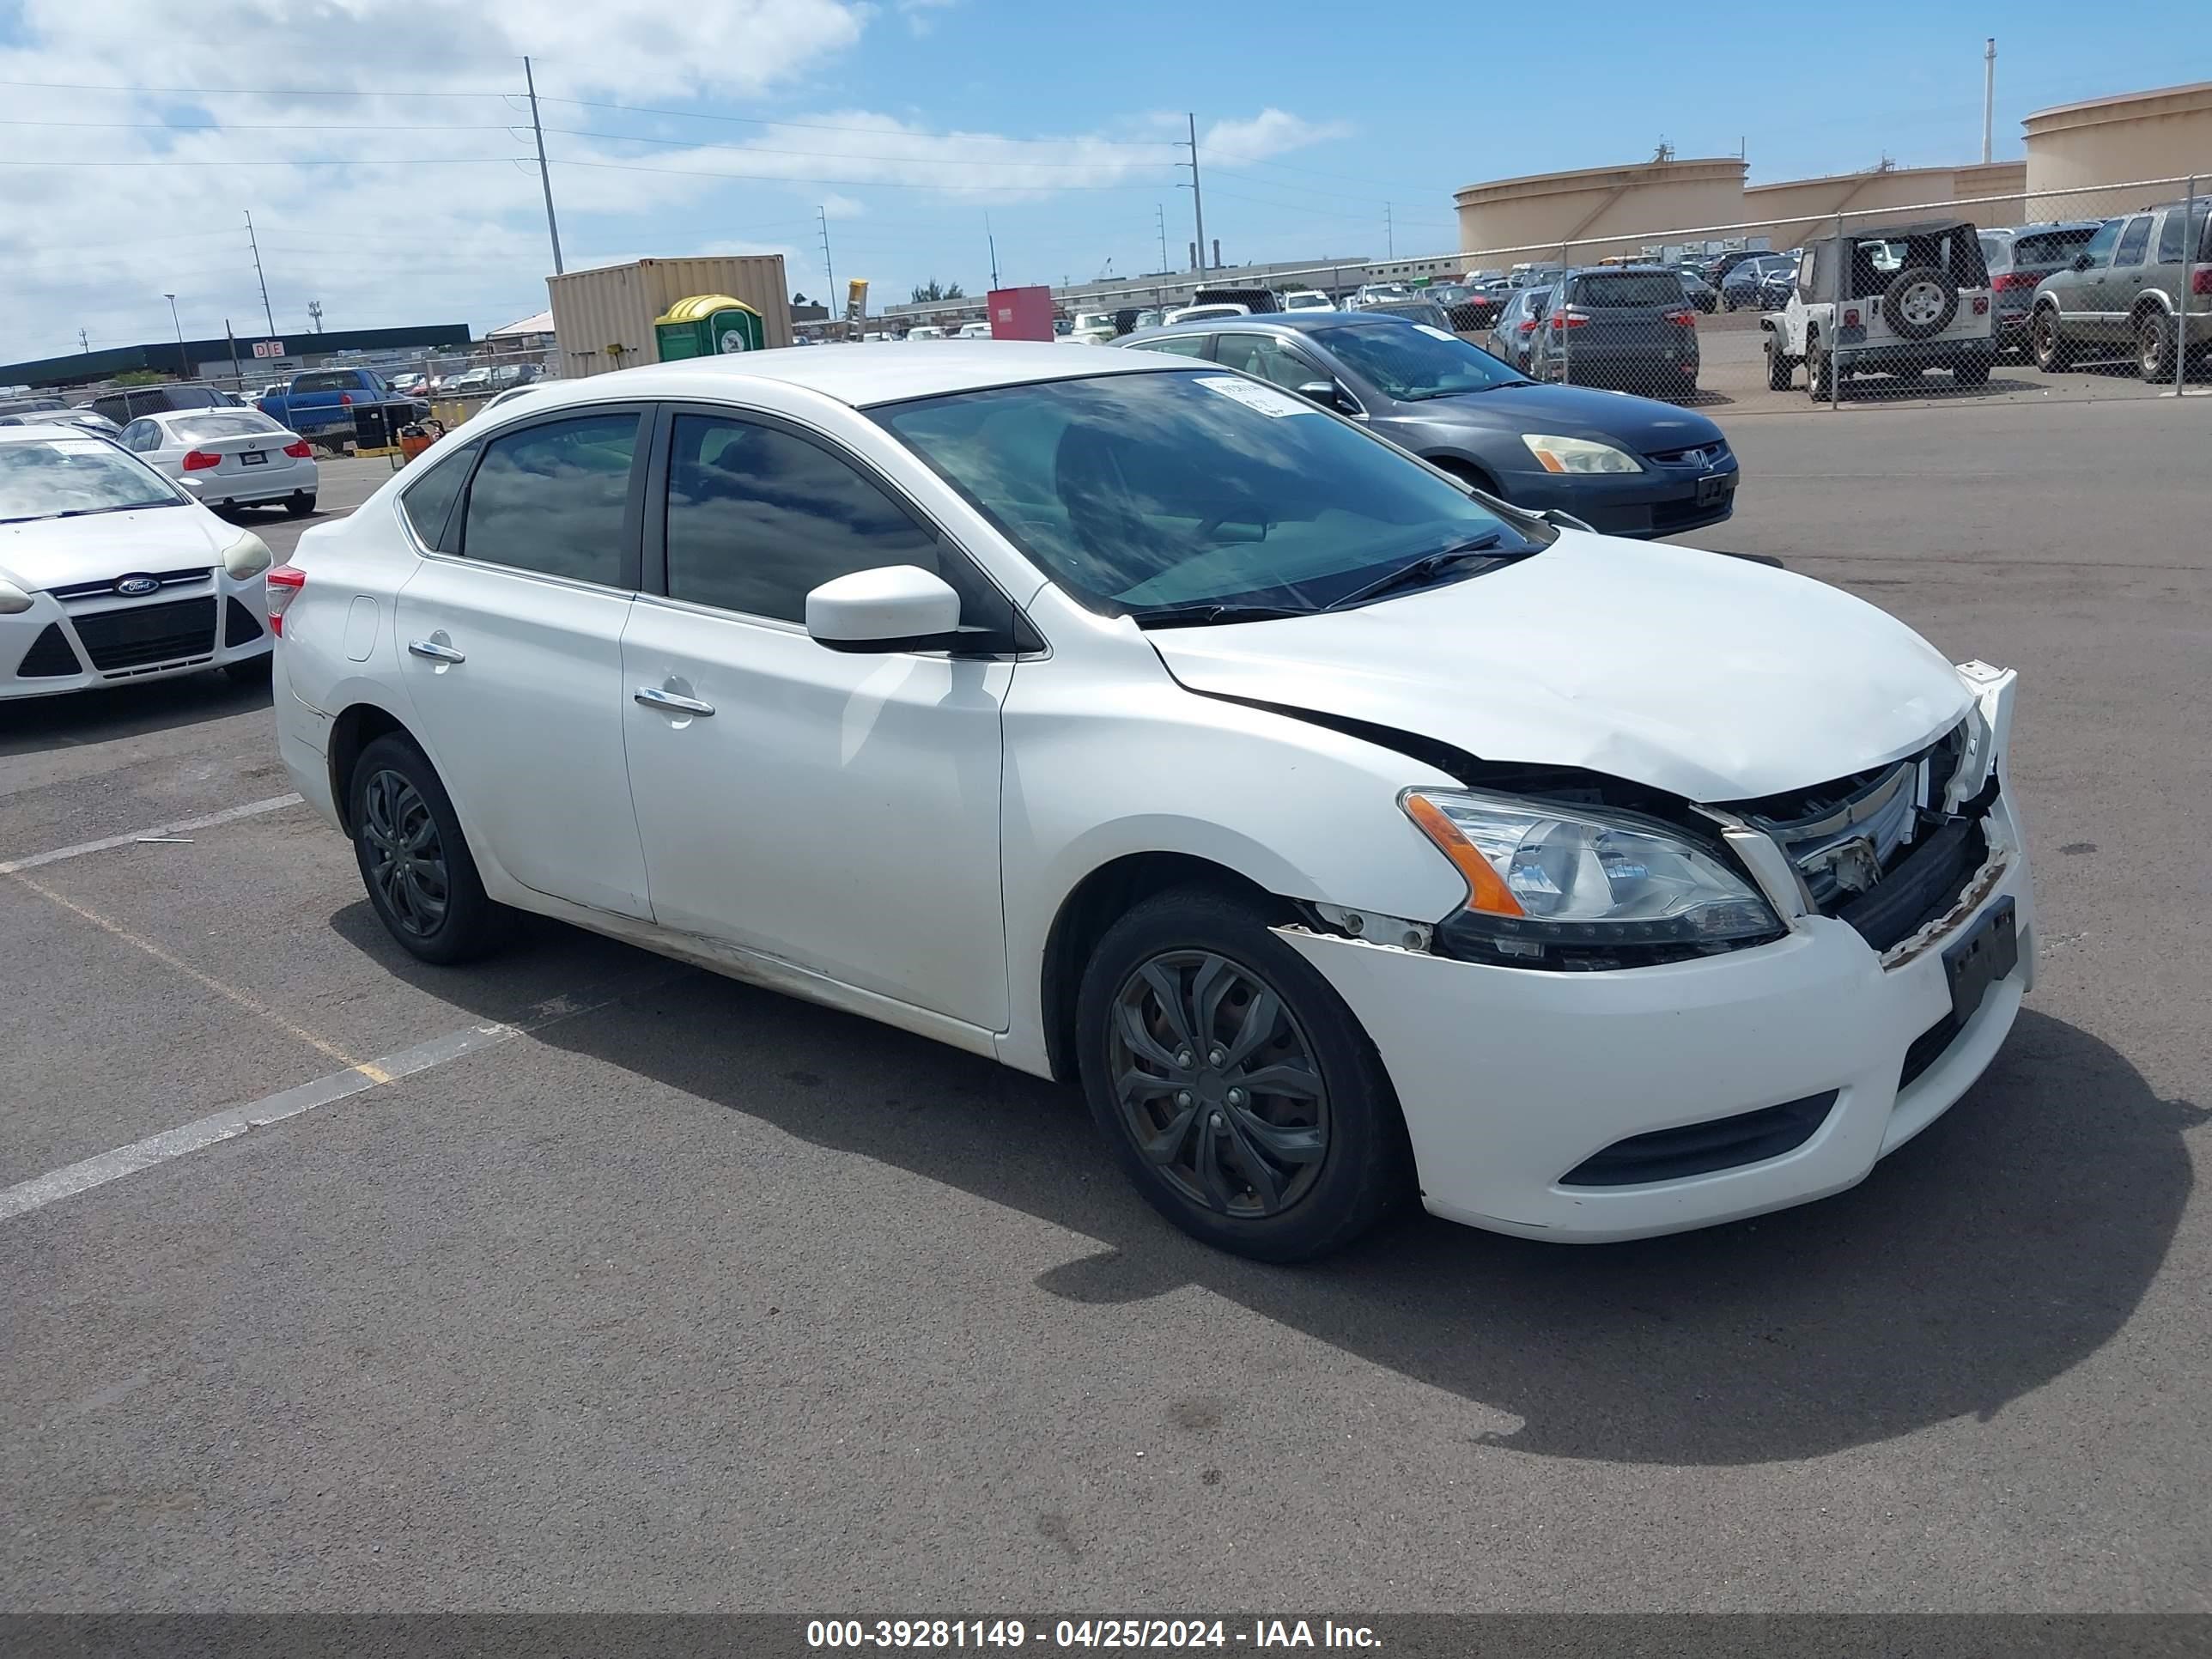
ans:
x=1467 y=470
x=356 y=727
x=1093 y=905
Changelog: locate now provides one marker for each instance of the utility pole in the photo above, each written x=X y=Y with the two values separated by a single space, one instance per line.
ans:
x=544 y=173
x=183 y=369
x=991 y=242
x=837 y=304
x=1197 y=208
x=266 y=312
x=237 y=373
x=84 y=340
x=1160 y=218
x=315 y=315
x=1989 y=94
x=1389 y=234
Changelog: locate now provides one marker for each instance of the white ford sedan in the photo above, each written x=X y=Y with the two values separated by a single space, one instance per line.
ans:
x=110 y=571
x=1348 y=834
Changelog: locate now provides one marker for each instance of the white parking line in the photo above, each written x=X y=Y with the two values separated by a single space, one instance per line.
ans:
x=39 y=1191
x=229 y=815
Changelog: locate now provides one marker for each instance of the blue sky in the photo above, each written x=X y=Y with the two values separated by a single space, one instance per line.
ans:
x=373 y=142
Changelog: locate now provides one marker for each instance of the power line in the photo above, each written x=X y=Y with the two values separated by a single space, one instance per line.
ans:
x=856 y=156
x=265 y=126
x=875 y=132
x=247 y=92
x=335 y=161
x=795 y=179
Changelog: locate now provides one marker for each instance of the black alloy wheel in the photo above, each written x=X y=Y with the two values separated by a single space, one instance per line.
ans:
x=405 y=858
x=1217 y=1084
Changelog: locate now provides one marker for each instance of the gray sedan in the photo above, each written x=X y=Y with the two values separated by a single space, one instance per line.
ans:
x=1627 y=466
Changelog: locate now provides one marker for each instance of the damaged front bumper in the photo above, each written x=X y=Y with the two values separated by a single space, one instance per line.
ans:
x=1590 y=1107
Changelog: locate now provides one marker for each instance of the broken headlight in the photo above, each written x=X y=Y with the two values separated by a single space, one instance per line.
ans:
x=1543 y=875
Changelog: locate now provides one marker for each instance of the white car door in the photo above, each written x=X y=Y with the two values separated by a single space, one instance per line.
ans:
x=838 y=811
x=511 y=653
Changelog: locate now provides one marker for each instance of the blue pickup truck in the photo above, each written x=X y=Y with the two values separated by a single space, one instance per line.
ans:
x=322 y=402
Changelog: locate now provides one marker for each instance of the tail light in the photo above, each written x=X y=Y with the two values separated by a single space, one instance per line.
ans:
x=345 y=400
x=1527 y=325
x=1568 y=319
x=198 y=461
x=1684 y=318
x=285 y=581
x=1981 y=305
x=1851 y=317
x=2200 y=281
x=298 y=449
x=2012 y=279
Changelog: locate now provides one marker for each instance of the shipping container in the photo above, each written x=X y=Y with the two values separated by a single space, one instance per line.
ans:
x=604 y=317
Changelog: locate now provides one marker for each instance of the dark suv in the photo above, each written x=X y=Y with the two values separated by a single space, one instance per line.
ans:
x=1626 y=326
x=2142 y=285
x=2019 y=258
x=126 y=404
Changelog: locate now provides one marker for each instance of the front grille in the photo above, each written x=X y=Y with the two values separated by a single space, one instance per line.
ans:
x=148 y=633
x=1695 y=1149
x=105 y=587
x=1696 y=455
x=239 y=626
x=1922 y=886
x=49 y=657
x=1927 y=1049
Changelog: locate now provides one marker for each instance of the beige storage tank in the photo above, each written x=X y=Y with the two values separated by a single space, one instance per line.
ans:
x=603 y=318
x=2166 y=133
x=1987 y=194
x=1601 y=209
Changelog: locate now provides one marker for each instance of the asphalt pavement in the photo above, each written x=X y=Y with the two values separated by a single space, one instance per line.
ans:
x=634 y=1288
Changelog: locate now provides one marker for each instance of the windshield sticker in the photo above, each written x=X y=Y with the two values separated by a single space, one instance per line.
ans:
x=1441 y=334
x=79 y=446
x=1265 y=399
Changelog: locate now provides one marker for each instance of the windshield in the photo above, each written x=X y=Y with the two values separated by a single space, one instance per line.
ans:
x=1156 y=493
x=48 y=477
x=1412 y=363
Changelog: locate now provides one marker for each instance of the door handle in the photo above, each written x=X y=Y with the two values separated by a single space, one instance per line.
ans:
x=668 y=702
x=433 y=651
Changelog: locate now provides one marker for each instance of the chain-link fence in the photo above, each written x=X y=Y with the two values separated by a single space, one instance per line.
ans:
x=2068 y=294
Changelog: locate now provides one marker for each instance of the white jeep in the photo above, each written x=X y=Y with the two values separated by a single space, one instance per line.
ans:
x=1892 y=300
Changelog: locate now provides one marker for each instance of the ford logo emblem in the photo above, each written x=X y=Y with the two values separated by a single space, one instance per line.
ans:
x=132 y=588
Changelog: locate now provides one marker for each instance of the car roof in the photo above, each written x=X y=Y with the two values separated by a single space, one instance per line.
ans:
x=48 y=430
x=860 y=376
x=1294 y=322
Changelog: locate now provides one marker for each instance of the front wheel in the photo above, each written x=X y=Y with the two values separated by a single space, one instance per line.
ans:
x=1236 y=1089
x=1819 y=372
x=415 y=862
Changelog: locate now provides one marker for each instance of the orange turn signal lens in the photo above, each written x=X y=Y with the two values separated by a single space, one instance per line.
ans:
x=1486 y=889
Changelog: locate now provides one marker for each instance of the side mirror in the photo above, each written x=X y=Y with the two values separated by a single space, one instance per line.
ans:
x=1329 y=395
x=2083 y=262
x=899 y=607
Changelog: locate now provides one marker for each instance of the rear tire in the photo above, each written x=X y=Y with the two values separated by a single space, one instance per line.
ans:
x=1175 y=990
x=2052 y=353
x=415 y=862
x=2154 y=347
x=301 y=504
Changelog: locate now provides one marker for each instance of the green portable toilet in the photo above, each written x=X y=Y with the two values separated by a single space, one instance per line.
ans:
x=706 y=324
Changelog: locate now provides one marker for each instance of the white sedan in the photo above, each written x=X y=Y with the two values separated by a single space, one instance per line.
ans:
x=228 y=456
x=111 y=573
x=1347 y=834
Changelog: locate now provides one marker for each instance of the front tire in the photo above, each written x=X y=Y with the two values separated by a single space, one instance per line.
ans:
x=415 y=862
x=1819 y=371
x=1236 y=1089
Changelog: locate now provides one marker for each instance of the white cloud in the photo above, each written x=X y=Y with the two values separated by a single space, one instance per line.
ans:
x=1270 y=132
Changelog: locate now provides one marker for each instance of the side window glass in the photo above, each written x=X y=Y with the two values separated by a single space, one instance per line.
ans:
x=2133 y=241
x=1266 y=358
x=1178 y=345
x=2100 y=249
x=428 y=502
x=758 y=518
x=550 y=499
x=2169 y=238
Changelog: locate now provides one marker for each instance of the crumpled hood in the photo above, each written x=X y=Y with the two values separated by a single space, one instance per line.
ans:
x=55 y=552
x=1714 y=678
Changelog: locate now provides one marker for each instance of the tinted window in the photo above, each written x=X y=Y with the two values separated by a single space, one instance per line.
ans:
x=2133 y=241
x=1622 y=289
x=2050 y=247
x=243 y=424
x=1180 y=345
x=335 y=380
x=1143 y=492
x=142 y=435
x=1409 y=362
x=2100 y=247
x=1268 y=357
x=550 y=498
x=427 y=502
x=2169 y=233
x=757 y=518
x=1996 y=252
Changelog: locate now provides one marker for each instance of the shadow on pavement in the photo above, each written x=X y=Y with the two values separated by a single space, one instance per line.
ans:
x=33 y=725
x=2001 y=1249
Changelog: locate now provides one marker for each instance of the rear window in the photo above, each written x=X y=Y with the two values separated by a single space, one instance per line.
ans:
x=338 y=380
x=1625 y=289
x=199 y=429
x=2050 y=247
